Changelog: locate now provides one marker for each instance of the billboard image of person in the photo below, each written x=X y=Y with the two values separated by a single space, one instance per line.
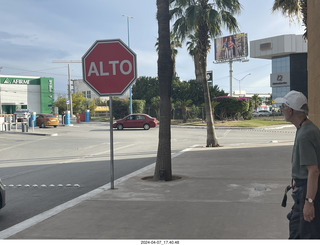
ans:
x=231 y=47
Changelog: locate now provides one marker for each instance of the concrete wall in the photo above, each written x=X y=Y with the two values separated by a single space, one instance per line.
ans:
x=21 y=95
x=277 y=46
x=314 y=60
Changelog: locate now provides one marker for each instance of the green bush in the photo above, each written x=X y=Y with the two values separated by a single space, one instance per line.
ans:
x=248 y=114
x=230 y=107
x=138 y=106
x=120 y=108
x=194 y=112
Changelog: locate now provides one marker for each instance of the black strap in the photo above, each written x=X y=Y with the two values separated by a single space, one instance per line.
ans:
x=284 y=200
x=302 y=122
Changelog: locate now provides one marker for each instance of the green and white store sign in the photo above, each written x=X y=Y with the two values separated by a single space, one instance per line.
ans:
x=45 y=91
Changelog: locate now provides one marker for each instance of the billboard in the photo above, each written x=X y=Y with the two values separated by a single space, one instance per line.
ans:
x=231 y=47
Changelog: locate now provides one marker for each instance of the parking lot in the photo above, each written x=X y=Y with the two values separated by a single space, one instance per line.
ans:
x=78 y=156
x=43 y=172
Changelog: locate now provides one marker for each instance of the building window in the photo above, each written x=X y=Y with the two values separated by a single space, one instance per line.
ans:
x=87 y=94
x=278 y=92
x=281 y=64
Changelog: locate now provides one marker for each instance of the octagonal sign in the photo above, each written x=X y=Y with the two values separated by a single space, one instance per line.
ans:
x=109 y=67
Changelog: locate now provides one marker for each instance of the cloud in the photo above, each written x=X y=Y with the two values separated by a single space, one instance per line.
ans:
x=261 y=85
x=147 y=62
x=12 y=49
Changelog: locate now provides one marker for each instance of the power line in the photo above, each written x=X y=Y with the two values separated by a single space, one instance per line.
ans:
x=42 y=71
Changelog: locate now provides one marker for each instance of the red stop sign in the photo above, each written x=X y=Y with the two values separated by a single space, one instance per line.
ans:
x=109 y=67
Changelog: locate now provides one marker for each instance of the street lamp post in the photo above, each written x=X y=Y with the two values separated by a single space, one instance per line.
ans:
x=128 y=28
x=239 y=80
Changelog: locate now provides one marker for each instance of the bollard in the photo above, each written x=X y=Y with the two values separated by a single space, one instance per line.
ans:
x=24 y=127
x=7 y=123
x=67 y=118
x=33 y=117
x=1 y=122
x=87 y=116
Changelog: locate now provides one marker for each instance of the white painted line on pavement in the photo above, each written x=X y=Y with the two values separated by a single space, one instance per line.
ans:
x=54 y=211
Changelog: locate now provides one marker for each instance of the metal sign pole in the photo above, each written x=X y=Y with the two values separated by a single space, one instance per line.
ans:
x=121 y=57
x=111 y=145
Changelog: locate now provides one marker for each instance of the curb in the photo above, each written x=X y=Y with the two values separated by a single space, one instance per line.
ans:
x=28 y=133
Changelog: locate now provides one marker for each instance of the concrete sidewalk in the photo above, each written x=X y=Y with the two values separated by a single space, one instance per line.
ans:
x=223 y=193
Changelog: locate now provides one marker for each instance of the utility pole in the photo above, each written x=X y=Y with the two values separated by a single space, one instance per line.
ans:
x=69 y=79
x=128 y=28
x=231 y=76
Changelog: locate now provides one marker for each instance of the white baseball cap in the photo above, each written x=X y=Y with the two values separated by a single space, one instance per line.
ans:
x=294 y=100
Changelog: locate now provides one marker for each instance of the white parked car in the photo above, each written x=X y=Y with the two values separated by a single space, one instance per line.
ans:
x=22 y=115
x=262 y=113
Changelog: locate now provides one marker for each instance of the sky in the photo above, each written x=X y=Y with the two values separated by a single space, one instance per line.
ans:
x=34 y=33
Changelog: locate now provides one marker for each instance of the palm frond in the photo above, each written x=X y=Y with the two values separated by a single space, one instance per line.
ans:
x=232 y=6
x=293 y=9
x=287 y=7
x=230 y=22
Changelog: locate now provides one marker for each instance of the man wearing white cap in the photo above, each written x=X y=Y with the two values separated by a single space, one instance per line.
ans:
x=305 y=214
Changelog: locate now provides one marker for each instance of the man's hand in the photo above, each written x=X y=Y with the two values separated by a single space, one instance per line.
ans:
x=308 y=211
x=312 y=187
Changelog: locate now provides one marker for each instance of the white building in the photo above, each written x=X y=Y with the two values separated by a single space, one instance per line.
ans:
x=81 y=87
x=288 y=54
x=26 y=92
x=264 y=98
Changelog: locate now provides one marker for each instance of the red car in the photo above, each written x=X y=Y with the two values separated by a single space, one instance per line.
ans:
x=136 y=121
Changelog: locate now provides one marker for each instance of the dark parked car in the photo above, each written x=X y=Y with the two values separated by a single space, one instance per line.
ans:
x=2 y=195
x=136 y=121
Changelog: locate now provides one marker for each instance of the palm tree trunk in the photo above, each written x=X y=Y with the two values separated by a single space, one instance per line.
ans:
x=199 y=75
x=163 y=170
x=203 y=47
x=212 y=140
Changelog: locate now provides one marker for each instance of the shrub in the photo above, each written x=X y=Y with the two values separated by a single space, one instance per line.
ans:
x=230 y=107
x=120 y=108
x=138 y=106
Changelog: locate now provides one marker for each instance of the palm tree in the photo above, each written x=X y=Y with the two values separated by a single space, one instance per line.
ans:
x=183 y=104
x=174 y=43
x=204 y=19
x=163 y=169
x=193 y=51
x=293 y=8
x=257 y=101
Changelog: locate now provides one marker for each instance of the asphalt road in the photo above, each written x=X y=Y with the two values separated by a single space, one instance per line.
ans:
x=42 y=172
